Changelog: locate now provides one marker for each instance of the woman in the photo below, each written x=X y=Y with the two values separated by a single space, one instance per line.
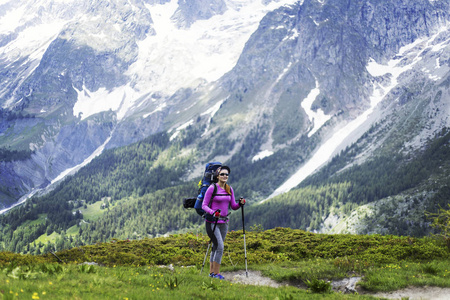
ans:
x=218 y=207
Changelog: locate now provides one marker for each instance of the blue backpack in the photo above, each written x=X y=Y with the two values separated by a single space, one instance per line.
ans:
x=209 y=177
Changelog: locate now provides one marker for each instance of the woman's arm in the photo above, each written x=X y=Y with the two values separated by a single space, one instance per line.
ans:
x=233 y=204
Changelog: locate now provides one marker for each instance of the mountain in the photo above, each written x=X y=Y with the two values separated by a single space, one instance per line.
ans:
x=78 y=77
x=336 y=113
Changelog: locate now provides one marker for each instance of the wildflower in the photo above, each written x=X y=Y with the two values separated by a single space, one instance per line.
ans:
x=50 y=282
x=35 y=296
x=7 y=281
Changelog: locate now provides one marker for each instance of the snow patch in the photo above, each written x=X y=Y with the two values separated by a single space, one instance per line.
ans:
x=213 y=109
x=413 y=54
x=283 y=72
x=317 y=118
x=120 y=99
x=294 y=34
x=184 y=126
x=159 y=108
x=11 y=20
x=261 y=155
x=212 y=112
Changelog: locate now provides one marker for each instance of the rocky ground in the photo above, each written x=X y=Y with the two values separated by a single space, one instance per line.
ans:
x=347 y=285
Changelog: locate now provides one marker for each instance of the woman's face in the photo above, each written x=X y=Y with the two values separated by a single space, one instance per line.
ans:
x=223 y=175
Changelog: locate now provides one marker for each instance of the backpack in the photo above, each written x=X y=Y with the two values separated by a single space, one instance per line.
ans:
x=209 y=177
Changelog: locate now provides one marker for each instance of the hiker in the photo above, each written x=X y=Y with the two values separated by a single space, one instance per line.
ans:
x=219 y=208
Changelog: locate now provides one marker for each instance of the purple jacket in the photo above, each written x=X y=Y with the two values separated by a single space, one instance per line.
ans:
x=221 y=201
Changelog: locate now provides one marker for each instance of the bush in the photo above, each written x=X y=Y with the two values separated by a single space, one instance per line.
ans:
x=441 y=221
x=319 y=286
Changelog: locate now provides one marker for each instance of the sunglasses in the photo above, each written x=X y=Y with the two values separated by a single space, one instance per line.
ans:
x=224 y=174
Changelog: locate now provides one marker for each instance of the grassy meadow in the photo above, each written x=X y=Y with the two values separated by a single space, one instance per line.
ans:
x=169 y=267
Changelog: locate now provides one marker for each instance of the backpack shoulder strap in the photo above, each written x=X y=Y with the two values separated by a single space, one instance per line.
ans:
x=213 y=195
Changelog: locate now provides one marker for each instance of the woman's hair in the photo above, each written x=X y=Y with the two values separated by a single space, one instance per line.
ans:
x=226 y=168
x=228 y=189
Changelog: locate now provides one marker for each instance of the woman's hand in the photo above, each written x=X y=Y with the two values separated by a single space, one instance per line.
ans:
x=241 y=201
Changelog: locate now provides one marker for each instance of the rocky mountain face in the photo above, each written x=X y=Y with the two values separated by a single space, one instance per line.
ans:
x=328 y=45
x=81 y=76
x=190 y=11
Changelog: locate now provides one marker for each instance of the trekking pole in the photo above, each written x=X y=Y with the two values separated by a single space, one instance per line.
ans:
x=57 y=257
x=245 y=247
x=209 y=243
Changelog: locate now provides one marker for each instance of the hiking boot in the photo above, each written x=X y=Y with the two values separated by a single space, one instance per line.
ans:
x=212 y=275
x=218 y=276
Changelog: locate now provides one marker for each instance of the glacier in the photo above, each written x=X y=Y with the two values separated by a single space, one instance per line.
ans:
x=176 y=58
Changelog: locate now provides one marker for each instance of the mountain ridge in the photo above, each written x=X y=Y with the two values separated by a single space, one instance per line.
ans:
x=366 y=80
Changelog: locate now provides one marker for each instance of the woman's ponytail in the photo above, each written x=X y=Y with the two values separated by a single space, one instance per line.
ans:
x=228 y=189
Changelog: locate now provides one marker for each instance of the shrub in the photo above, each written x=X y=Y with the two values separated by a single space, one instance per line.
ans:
x=319 y=286
x=441 y=221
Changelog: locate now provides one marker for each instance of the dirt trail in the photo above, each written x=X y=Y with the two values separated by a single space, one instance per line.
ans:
x=418 y=293
x=347 y=285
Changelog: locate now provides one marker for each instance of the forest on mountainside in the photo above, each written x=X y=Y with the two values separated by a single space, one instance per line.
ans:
x=7 y=155
x=140 y=188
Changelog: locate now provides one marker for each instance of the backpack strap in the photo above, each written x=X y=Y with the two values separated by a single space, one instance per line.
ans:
x=213 y=195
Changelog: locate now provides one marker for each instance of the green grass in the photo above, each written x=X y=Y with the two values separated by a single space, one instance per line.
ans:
x=39 y=220
x=125 y=282
x=44 y=238
x=406 y=273
x=73 y=231
x=93 y=211
x=137 y=269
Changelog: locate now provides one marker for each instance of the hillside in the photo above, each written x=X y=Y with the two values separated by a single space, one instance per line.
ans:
x=304 y=264
x=136 y=192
